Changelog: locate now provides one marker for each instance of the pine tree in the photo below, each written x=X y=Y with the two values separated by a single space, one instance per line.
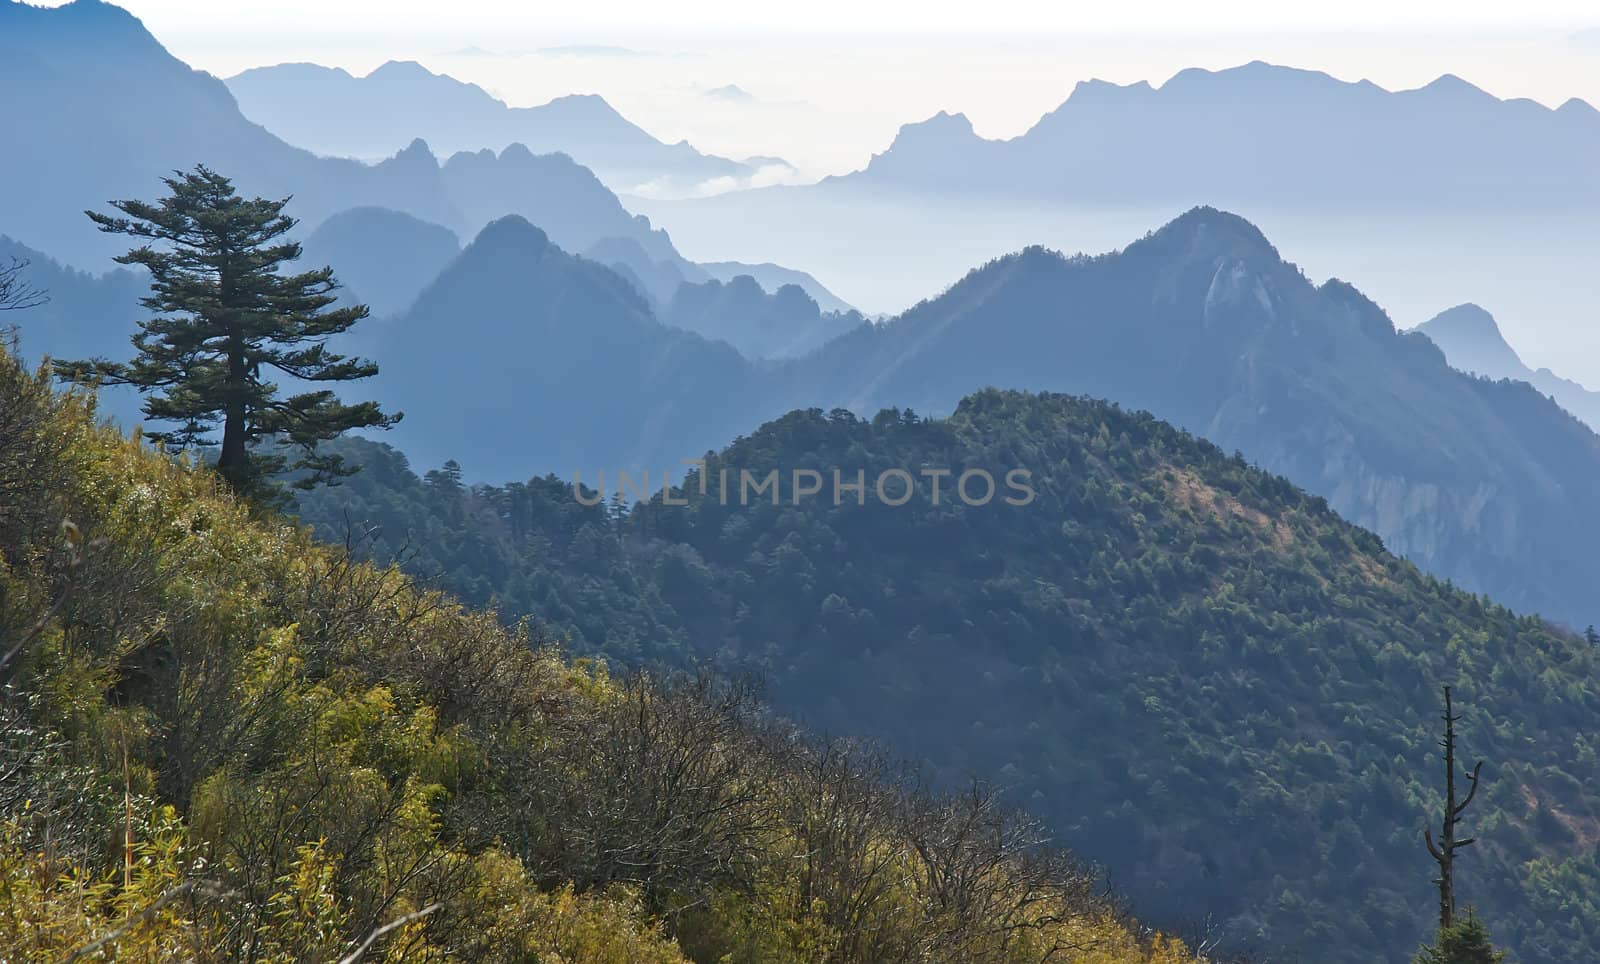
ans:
x=1464 y=942
x=1591 y=636
x=227 y=320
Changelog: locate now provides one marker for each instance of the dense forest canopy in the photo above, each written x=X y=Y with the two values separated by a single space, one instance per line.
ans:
x=1196 y=673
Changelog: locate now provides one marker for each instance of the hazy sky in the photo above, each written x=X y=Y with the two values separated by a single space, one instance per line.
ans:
x=829 y=81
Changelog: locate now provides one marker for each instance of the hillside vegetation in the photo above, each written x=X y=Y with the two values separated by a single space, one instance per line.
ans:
x=1198 y=674
x=225 y=741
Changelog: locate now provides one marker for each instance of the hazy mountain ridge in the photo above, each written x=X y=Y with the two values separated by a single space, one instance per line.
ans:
x=1262 y=132
x=786 y=323
x=332 y=112
x=384 y=258
x=520 y=354
x=95 y=67
x=774 y=276
x=1471 y=340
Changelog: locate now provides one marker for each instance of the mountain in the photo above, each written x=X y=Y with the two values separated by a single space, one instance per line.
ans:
x=1366 y=183
x=82 y=316
x=93 y=66
x=1205 y=325
x=656 y=279
x=523 y=358
x=783 y=324
x=383 y=258
x=1200 y=675
x=772 y=277
x=563 y=197
x=1471 y=340
x=361 y=756
x=1201 y=323
x=332 y=112
x=1259 y=133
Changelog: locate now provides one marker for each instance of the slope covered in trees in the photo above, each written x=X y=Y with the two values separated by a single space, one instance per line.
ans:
x=224 y=741
x=1206 y=325
x=1199 y=674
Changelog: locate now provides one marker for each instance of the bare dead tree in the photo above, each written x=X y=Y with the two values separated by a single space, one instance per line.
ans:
x=15 y=291
x=1444 y=851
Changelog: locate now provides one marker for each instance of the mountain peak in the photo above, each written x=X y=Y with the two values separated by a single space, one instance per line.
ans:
x=1257 y=75
x=942 y=128
x=1578 y=107
x=415 y=154
x=583 y=103
x=1466 y=318
x=511 y=232
x=1215 y=227
x=1471 y=338
x=83 y=28
x=400 y=68
x=1449 y=85
x=1095 y=87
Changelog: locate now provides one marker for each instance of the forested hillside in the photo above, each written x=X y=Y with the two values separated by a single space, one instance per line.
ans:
x=220 y=740
x=1197 y=673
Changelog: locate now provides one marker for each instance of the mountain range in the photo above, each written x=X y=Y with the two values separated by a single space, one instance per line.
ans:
x=1202 y=323
x=377 y=115
x=1442 y=191
x=787 y=323
x=93 y=66
x=1471 y=339
x=1199 y=675
x=1261 y=132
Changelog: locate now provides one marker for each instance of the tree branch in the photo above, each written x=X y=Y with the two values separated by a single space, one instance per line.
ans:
x=395 y=924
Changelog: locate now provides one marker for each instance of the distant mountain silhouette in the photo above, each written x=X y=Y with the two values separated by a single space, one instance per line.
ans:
x=1263 y=132
x=109 y=111
x=773 y=277
x=382 y=258
x=521 y=359
x=1471 y=340
x=92 y=67
x=330 y=111
x=660 y=277
x=784 y=324
x=657 y=279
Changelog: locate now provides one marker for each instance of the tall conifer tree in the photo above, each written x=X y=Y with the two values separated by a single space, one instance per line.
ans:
x=227 y=322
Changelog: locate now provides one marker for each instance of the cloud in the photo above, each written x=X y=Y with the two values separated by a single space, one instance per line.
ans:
x=769 y=174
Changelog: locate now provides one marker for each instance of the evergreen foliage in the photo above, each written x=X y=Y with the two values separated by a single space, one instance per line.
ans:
x=227 y=321
x=1466 y=941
